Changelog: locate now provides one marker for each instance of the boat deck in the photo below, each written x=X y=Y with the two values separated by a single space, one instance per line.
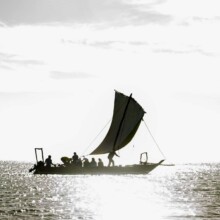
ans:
x=73 y=170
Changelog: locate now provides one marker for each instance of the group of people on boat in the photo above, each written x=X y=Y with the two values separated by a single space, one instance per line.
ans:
x=77 y=161
x=93 y=163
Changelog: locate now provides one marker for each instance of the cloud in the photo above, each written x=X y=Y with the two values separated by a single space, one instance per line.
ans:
x=2 y=24
x=138 y=17
x=13 y=95
x=112 y=12
x=10 y=59
x=68 y=75
x=105 y=44
x=102 y=44
x=186 y=51
x=18 y=98
x=204 y=19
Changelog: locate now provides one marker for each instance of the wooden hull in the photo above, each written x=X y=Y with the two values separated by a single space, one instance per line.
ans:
x=116 y=170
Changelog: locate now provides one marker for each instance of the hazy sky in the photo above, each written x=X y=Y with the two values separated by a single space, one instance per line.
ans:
x=60 y=62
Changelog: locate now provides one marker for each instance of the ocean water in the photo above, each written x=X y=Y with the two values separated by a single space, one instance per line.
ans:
x=188 y=191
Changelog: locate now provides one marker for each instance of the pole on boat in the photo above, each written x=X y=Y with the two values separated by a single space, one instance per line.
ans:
x=120 y=125
x=42 y=154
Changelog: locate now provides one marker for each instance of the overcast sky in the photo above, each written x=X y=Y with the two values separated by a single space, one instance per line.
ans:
x=60 y=62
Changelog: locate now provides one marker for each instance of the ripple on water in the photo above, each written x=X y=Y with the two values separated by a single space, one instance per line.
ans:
x=180 y=192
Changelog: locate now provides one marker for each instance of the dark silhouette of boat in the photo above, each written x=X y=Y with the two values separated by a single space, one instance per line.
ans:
x=127 y=116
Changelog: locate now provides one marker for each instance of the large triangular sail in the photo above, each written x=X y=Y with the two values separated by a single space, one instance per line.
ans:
x=127 y=116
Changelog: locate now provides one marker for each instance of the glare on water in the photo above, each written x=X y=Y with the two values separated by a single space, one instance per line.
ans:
x=179 y=192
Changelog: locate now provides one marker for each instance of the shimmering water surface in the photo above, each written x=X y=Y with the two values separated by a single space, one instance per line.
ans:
x=190 y=191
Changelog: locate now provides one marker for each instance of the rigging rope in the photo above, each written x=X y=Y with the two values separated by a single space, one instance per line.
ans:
x=95 y=138
x=154 y=139
x=101 y=131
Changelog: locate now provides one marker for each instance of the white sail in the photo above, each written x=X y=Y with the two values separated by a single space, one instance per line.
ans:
x=127 y=116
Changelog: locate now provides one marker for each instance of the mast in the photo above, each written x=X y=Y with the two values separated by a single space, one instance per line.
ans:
x=126 y=119
x=120 y=125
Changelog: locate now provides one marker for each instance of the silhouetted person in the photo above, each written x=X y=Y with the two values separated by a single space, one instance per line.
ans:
x=48 y=161
x=75 y=157
x=100 y=163
x=79 y=162
x=110 y=158
x=93 y=163
x=86 y=162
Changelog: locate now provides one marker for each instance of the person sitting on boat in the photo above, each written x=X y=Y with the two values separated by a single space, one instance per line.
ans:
x=79 y=162
x=93 y=163
x=100 y=163
x=110 y=158
x=48 y=161
x=75 y=157
x=86 y=162
x=39 y=165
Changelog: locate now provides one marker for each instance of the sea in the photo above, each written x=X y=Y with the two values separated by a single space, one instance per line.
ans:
x=183 y=191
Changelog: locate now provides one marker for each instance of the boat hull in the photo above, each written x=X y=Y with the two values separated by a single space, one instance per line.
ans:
x=116 y=170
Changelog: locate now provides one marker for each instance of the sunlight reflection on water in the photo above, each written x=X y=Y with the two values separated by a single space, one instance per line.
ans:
x=180 y=192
